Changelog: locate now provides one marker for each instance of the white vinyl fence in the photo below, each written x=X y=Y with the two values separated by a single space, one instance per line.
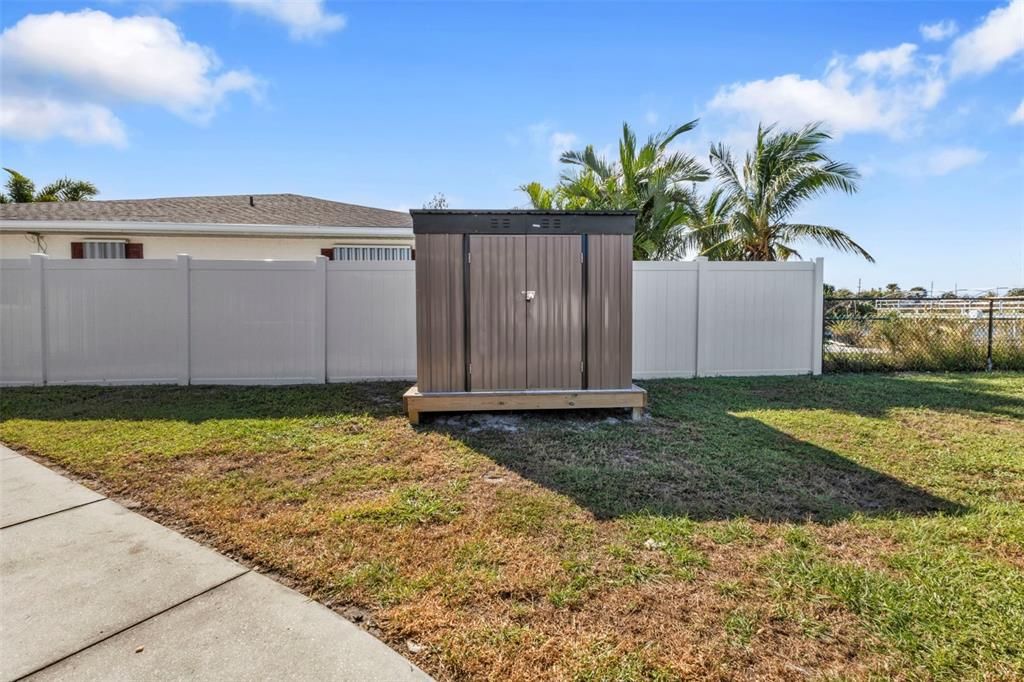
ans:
x=703 y=318
x=286 y=322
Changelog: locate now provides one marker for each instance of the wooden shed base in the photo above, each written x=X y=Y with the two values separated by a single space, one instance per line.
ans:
x=493 y=401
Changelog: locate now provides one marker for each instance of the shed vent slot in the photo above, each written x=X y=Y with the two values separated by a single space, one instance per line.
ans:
x=551 y=223
x=501 y=223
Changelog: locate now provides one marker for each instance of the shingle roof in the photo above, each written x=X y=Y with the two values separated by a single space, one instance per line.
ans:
x=268 y=209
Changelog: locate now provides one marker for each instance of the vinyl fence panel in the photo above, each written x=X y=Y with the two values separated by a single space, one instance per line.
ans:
x=21 y=328
x=705 y=318
x=664 y=319
x=756 y=318
x=256 y=322
x=107 y=321
x=371 y=320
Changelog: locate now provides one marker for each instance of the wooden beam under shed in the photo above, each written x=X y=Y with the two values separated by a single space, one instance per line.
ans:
x=634 y=398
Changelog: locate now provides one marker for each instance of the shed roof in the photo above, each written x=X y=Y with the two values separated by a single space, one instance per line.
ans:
x=487 y=221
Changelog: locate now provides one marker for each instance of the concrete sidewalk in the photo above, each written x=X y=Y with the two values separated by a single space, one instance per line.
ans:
x=92 y=591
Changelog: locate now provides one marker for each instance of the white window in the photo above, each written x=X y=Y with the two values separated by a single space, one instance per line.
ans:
x=349 y=253
x=104 y=249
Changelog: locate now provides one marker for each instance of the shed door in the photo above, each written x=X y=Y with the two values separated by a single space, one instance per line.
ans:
x=526 y=312
x=497 y=312
x=554 y=318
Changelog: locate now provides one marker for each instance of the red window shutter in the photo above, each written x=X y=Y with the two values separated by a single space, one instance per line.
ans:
x=78 y=249
x=329 y=253
x=133 y=250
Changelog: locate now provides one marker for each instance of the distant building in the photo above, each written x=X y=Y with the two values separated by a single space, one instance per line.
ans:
x=260 y=226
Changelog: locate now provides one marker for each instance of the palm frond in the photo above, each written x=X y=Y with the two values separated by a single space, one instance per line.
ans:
x=665 y=139
x=66 y=189
x=828 y=236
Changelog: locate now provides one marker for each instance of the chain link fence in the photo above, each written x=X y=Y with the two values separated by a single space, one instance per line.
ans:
x=923 y=334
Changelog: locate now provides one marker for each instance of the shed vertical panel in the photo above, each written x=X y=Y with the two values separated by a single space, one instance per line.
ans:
x=497 y=327
x=440 y=359
x=625 y=356
x=554 y=270
x=609 y=311
x=457 y=312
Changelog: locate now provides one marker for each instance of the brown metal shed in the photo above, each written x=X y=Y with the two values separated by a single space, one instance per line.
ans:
x=523 y=310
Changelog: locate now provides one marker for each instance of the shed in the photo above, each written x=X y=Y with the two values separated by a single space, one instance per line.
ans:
x=523 y=310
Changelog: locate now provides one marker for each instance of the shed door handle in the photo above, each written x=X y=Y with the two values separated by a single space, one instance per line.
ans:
x=530 y=295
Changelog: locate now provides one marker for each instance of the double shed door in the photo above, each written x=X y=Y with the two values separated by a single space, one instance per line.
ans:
x=525 y=312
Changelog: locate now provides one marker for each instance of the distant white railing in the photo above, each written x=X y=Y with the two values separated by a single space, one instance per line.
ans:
x=191 y=321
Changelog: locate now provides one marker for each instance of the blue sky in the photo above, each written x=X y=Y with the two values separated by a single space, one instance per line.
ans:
x=387 y=103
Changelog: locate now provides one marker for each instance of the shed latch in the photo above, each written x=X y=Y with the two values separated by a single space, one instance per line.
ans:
x=530 y=295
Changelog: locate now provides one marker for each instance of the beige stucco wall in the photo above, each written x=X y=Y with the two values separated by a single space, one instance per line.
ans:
x=207 y=248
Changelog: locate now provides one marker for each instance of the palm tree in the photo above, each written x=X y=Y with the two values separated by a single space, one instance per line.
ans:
x=708 y=223
x=21 y=190
x=784 y=170
x=650 y=178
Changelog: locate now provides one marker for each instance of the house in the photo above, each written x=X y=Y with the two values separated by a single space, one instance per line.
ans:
x=258 y=226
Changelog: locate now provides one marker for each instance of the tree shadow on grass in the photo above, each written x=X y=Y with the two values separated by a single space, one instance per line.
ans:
x=700 y=454
x=747 y=469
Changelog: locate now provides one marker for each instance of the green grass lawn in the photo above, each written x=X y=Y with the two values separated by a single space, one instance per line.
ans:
x=850 y=527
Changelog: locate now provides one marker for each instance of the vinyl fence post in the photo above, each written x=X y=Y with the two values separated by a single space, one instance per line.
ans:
x=818 y=317
x=320 y=327
x=991 y=312
x=38 y=263
x=185 y=319
x=702 y=308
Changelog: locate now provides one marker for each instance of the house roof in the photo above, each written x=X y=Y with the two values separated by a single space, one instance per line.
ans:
x=266 y=209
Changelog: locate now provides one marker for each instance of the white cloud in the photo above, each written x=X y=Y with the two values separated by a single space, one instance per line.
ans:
x=886 y=91
x=67 y=70
x=999 y=37
x=562 y=142
x=39 y=118
x=1017 y=116
x=896 y=61
x=554 y=142
x=927 y=162
x=883 y=92
x=142 y=59
x=305 y=19
x=940 y=30
x=946 y=160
